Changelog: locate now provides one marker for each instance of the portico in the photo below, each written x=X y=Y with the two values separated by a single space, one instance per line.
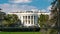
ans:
x=28 y=20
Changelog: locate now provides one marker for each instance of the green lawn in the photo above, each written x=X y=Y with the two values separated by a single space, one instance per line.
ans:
x=20 y=33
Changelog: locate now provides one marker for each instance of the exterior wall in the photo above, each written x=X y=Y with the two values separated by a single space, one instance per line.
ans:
x=29 y=22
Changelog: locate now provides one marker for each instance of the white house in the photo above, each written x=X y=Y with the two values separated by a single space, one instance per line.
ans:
x=29 y=18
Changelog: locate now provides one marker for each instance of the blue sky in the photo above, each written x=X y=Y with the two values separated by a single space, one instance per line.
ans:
x=16 y=5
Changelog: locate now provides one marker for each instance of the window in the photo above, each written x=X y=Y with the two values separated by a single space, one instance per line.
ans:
x=34 y=17
x=24 y=17
x=28 y=17
x=29 y=21
x=31 y=17
x=26 y=22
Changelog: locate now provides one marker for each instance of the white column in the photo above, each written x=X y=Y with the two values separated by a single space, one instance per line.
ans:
x=22 y=19
x=27 y=19
x=30 y=19
x=33 y=19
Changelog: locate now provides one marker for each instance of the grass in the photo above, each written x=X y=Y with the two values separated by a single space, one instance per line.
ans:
x=20 y=33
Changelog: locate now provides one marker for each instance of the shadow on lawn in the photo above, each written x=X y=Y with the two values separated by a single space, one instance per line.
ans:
x=20 y=29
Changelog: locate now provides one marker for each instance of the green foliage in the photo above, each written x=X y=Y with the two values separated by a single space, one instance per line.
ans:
x=42 y=20
x=52 y=31
x=54 y=17
x=2 y=15
x=20 y=33
x=10 y=19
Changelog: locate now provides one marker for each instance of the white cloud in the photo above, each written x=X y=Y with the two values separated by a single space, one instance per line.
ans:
x=49 y=7
x=15 y=7
x=20 y=1
x=43 y=10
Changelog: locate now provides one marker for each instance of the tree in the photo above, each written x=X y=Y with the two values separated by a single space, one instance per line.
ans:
x=10 y=19
x=55 y=16
x=2 y=15
x=42 y=20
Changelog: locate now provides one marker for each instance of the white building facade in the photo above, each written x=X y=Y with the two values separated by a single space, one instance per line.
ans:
x=29 y=18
